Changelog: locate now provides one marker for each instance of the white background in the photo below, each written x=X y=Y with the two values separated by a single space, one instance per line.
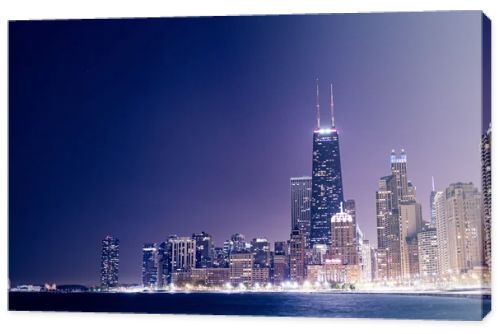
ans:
x=13 y=322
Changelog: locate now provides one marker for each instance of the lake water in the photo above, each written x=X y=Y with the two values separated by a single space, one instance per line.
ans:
x=336 y=305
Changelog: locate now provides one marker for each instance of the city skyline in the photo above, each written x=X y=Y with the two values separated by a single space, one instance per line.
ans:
x=290 y=157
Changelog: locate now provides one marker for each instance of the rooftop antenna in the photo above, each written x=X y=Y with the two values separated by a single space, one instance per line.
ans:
x=433 y=188
x=317 y=102
x=331 y=105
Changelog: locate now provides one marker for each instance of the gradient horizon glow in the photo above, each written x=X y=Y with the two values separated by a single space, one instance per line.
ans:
x=142 y=128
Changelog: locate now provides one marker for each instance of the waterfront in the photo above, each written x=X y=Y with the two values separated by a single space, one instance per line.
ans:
x=335 y=305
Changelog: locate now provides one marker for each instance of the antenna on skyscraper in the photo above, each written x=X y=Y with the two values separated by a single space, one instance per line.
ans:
x=317 y=102
x=331 y=105
x=433 y=189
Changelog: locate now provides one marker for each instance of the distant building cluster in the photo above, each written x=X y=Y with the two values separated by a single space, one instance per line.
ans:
x=326 y=245
x=411 y=249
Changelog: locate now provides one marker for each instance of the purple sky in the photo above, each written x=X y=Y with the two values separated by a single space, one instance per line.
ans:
x=145 y=128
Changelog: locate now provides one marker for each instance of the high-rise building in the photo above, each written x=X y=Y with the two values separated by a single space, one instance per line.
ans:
x=204 y=249
x=486 y=193
x=410 y=223
x=399 y=171
x=463 y=210
x=366 y=261
x=279 y=268
x=428 y=253
x=388 y=230
x=183 y=250
x=164 y=263
x=150 y=266
x=433 y=206
x=413 y=262
x=297 y=254
x=300 y=190
x=327 y=190
x=241 y=267
x=446 y=245
x=399 y=218
x=262 y=252
x=110 y=255
x=221 y=260
x=344 y=237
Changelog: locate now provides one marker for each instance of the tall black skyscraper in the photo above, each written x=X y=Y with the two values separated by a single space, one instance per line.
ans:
x=204 y=249
x=109 y=262
x=327 y=191
x=150 y=265
x=300 y=190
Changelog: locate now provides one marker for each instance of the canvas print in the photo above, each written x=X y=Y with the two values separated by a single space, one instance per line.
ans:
x=334 y=165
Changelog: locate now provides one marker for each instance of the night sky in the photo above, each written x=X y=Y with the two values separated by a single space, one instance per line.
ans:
x=145 y=128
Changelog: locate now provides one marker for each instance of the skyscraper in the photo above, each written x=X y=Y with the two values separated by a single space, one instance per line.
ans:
x=110 y=254
x=458 y=213
x=410 y=219
x=300 y=190
x=463 y=210
x=262 y=252
x=432 y=205
x=486 y=193
x=279 y=267
x=399 y=218
x=164 y=263
x=297 y=254
x=388 y=230
x=204 y=249
x=327 y=191
x=183 y=250
x=150 y=266
x=399 y=171
x=241 y=267
x=428 y=253
x=445 y=244
x=344 y=237
x=366 y=261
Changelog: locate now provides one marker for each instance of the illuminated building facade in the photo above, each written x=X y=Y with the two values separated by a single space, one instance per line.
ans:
x=463 y=210
x=327 y=190
x=262 y=252
x=110 y=256
x=204 y=249
x=344 y=237
x=486 y=192
x=297 y=256
x=428 y=254
x=241 y=267
x=183 y=250
x=150 y=266
x=388 y=231
x=300 y=190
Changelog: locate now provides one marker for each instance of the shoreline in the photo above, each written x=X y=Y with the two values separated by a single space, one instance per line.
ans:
x=476 y=293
